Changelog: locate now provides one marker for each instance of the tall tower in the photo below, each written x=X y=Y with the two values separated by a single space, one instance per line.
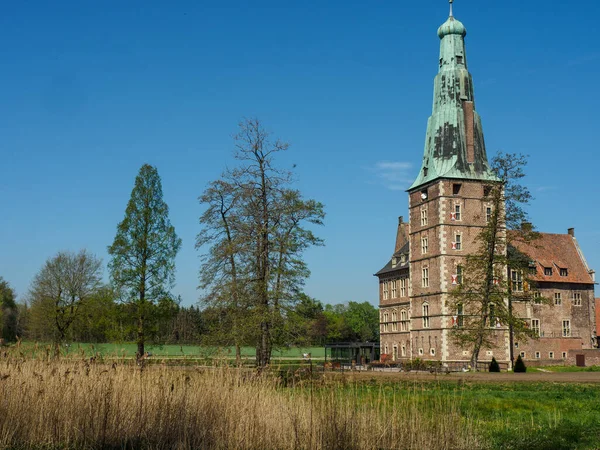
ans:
x=447 y=209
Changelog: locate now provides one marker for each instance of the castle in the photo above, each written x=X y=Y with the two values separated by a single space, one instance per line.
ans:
x=448 y=208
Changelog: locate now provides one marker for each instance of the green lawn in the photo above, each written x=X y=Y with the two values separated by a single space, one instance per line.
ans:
x=511 y=415
x=128 y=350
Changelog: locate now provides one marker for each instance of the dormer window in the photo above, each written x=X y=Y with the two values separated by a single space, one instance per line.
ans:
x=564 y=272
x=394 y=262
x=425 y=170
x=548 y=271
x=402 y=258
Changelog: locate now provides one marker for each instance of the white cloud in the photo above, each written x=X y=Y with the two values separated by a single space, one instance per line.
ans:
x=394 y=175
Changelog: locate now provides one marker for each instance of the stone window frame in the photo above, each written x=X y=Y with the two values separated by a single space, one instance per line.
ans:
x=557 y=299
x=536 y=326
x=523 y=354
x=424 y=245
x=404 y=320
x=537 y=355
x=576 y=298
x=425 y=277
x=403 y=350
x=403 y=287
x=426 y=318
x=386 y=291
x=458 y=241
x=488 y=214
x=516 y=278
x=457 y=212
x=566 y=329
x=420 y=352
x=550 y=355
x=393 y=290
x=424 y=218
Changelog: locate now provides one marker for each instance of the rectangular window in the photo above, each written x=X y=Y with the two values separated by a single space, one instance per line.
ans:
x=576 y=299
x=394 y=326
x=458 y=242
x=403 y=321
x=404 y=350
x=425 y=277
x=517 y=280
x=456 y=188
x=459 y=60
x=393 y=289
x=537 y=297
x=551 y=355
x=537 y=355
x=424 y=217
x=557 y=299
x=456 y=212
x=488 y=214
x=460 y=312
x=424 y=245
x=386 y=292
x=522 y=354
x=395 y=356
x=564 y=355
x=548 y=271
x=425 y=315
x=459 y=274
x=564 y=272
x=535 y=326
x=403 y=287
x=566 y=328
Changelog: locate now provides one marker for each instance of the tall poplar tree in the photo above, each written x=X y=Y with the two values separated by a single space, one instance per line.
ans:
x=143 y=252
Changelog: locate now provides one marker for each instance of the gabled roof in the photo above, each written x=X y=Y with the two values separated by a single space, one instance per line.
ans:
x=556 y=251
x=389 y=267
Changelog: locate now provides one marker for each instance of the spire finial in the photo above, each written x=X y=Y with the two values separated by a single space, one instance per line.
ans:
x=451 y=2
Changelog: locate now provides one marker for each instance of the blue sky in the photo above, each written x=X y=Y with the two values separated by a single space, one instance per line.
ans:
x=90 y=91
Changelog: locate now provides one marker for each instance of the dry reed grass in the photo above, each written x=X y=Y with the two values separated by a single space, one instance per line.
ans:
x=75 y=404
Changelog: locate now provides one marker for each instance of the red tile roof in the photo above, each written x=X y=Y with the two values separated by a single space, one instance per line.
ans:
x=556 y=251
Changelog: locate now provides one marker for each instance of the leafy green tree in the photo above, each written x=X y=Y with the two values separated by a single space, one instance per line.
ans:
x=255 y=226
x=65 y=283
x=98 y=318
x=143 y=253
x=484 y=297
x=363 y=321
x=8 y=312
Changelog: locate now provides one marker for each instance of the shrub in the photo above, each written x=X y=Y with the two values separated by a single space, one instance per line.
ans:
x=520 y=366
x=494 y=366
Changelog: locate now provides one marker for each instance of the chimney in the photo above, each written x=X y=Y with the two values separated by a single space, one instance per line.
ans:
x=401 y=235
x=571 y=232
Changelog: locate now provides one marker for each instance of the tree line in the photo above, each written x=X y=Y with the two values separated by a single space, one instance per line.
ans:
x=254 y=230
x=103 y=318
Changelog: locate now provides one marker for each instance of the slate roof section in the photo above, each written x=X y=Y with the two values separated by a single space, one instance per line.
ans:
x=557 y=251
x=388 y=268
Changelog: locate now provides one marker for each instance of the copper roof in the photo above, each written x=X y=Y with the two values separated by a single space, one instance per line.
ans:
x=556 y=251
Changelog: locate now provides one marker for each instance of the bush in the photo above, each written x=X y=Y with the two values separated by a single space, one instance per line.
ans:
x=520 y=366
x=494 y=366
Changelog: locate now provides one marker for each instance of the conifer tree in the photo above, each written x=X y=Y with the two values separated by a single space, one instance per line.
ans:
x=143 y=252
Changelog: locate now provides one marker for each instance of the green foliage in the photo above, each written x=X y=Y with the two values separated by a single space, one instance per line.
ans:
x=494 y=366
x=143 y=253
x=59 y=290
x=520 y=366
x=8 y=312
x=352 y=322
x=255 y=230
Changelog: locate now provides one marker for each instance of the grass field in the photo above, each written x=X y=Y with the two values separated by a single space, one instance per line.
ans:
x=128 y=350
x=72 y=403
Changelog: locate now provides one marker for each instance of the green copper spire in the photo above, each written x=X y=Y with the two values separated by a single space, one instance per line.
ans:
x=454 y=144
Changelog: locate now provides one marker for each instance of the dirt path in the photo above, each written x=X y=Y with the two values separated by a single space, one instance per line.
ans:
x=483 y=377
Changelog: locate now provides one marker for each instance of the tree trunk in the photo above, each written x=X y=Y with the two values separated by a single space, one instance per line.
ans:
x=140 y=337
